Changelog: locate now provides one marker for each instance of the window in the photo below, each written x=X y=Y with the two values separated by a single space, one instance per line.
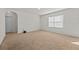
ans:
x=51 y=21
x=56 y=21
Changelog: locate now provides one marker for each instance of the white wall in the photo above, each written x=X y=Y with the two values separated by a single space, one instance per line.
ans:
x=28 y=22
x=71 y=22
x=2 y=25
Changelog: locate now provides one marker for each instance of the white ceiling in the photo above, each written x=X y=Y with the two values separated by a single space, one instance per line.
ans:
x=25 y=10
x=49 y=10
x=38 y=11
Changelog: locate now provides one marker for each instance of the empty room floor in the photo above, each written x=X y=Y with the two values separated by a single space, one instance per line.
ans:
x=39 y=40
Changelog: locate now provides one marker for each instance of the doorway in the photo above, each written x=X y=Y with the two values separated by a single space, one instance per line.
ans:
x=11 y=22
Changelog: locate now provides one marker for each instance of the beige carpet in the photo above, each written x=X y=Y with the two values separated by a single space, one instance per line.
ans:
x=39 y=40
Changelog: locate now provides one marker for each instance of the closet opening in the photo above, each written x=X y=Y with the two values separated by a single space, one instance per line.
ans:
x=11 y=22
